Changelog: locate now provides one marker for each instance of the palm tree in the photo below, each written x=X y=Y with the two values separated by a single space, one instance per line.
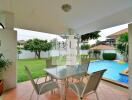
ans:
x=122 y=44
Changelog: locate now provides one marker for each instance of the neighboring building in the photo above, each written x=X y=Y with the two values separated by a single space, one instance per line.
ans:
x=106 y=49
x=117 y=34
x=102 y=47
x=21 y=43
x=106 y=42
x=111 y=39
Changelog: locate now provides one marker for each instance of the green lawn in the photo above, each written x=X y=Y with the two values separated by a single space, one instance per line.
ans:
x=36 y=66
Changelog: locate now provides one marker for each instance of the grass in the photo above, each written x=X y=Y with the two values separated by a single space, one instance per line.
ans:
x=36 y=66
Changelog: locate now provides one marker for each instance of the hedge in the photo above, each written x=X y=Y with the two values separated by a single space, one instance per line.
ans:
x=109 y=56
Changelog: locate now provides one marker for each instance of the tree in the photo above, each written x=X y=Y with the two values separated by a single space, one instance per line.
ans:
x=85 y=46
x=37 y=45
x=89 y=36
x=122 y=44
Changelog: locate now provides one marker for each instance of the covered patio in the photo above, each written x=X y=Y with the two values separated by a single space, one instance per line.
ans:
x=105 y=91
x=49 y=16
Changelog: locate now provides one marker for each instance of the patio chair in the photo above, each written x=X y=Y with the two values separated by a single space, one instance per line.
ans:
x=81 y=88
x=41 y=87
x=81 y=76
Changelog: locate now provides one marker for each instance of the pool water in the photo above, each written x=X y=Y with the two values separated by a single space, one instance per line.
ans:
x=113 y=69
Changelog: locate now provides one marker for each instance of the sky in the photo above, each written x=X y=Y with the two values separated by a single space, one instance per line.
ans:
x=26 y=34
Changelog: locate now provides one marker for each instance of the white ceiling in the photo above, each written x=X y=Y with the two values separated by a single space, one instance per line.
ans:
x=85 y=16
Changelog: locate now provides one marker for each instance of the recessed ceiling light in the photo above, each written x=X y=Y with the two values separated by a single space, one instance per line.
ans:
x=66 y=7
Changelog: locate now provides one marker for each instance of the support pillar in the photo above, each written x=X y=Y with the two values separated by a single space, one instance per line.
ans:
x=8 y=41
x=71 y=49
x=130 y=60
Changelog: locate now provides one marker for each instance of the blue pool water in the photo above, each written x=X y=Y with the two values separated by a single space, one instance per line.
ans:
x=113 y=69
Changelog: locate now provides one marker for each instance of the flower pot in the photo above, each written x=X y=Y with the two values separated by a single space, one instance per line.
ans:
x=1 y=87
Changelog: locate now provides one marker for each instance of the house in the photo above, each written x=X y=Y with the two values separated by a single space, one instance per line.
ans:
x=111 y=39
x=20 y=43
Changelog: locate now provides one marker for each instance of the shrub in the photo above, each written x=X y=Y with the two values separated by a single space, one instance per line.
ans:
x=84 y=56
x=85 y=47
x=109 y=56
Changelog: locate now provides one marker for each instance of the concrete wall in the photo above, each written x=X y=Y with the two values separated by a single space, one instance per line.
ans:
x=130 y=60
x=26 y=54
x=8 y=40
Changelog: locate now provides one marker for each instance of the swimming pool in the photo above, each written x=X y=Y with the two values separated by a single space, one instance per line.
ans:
x=113 y=69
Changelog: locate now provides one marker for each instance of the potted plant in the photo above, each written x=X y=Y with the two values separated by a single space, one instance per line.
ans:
x=4 y=63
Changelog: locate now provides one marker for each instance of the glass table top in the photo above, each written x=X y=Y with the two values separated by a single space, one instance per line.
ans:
x=63 y=72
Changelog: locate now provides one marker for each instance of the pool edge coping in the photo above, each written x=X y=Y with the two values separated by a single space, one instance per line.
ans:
x=116 y=83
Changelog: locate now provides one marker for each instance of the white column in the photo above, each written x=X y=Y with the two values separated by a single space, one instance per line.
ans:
x=78 y=48
x=130 y=60
x=8 y=38
x=71 y=50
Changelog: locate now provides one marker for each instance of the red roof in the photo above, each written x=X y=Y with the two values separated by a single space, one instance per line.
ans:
x=102 y=47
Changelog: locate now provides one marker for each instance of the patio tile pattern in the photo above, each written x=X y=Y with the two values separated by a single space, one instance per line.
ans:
x=24 y=90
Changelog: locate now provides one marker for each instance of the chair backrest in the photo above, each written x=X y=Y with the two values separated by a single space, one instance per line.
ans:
x=93 y=81
x=31 y=79
x=86 y=65
x=50 y=63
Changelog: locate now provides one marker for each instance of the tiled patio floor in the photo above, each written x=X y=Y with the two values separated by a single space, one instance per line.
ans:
x=23 y=92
